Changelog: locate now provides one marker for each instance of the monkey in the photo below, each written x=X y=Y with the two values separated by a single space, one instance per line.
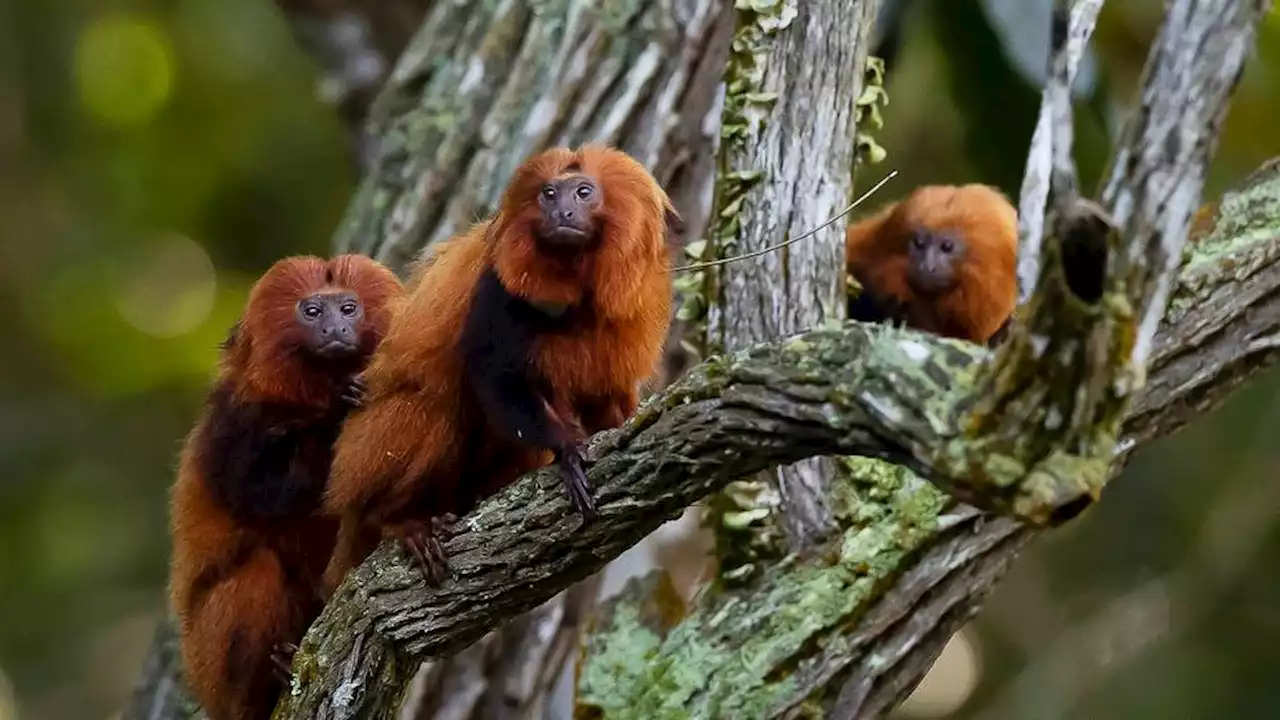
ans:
x=943 y=260
x=523 y=336
x=249 y=547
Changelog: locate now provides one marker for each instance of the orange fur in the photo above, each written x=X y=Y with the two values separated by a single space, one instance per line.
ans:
x=241 y=584
x=422 y=446
x=986 y=292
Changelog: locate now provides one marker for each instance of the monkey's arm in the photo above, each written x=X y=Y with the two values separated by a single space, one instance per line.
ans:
x=497 y=348
x=866 y=308
x=259 y=462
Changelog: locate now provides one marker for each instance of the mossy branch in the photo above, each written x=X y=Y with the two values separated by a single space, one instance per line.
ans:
x=859 y=390
x=848 y=629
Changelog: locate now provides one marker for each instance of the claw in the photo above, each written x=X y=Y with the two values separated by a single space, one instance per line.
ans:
x=423 y=541
x=354 y=391
x=282 y=661
x=575 y=482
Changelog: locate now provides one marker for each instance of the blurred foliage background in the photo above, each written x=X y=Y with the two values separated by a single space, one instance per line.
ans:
x=156 y=155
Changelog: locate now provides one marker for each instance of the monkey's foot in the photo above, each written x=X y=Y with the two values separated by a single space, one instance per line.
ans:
x=282 y=661
x=424 y=541
x=353 y=392
x=575 y=481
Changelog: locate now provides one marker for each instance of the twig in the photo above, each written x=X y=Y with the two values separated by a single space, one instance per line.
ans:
x=1073 y=24
x=792 y=241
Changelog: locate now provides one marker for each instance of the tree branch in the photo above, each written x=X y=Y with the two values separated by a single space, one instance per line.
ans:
x=823 y=392
x=1051 y=143
x=858 y=390
x=869 y=612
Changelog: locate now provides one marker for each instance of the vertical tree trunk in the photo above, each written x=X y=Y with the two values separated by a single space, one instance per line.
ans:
x=484 y=85
x=785 y=168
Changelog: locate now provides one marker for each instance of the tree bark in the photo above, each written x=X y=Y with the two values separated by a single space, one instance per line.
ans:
x=484 y=85
x=910 y=565
x=787 y=145
x=642 y=76
x=812 y=394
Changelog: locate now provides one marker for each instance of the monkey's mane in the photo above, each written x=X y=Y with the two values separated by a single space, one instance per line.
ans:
x=979 y=215
x=636 y=215
x=265 y=357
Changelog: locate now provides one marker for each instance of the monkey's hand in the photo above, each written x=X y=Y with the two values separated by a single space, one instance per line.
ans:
x=897 y=312
x=282 y=661
x=569 y=458
x=425 y=542
x=353 y=392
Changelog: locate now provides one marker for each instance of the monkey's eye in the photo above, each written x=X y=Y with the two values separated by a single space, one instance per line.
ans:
x=918 y=241
x=584 y=192
x=948 y=246
x=311 y=310
x=548 y=192
x=348 y=308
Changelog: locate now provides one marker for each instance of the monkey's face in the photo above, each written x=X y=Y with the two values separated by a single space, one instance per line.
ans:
x=569 y=213
x=330 y=323
x=933 y=261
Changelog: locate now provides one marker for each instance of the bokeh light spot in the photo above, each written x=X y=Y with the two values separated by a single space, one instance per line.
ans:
x=167 y=288
x=124 y=68
x=8 y=702
x=950 y=682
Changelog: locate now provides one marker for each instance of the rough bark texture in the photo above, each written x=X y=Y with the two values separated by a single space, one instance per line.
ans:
x=484 y=85
x=1073 y=26
x=818 y=393
x=866 y=613
x=787 y=143
x=510 y=673
x=1159 y=169
x=641 y=75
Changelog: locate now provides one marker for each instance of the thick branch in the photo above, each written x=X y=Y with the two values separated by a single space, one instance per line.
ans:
x=1158 y=171
x=824 y=392
x=1051 y=403
x=1073 y=24
x=852 y=628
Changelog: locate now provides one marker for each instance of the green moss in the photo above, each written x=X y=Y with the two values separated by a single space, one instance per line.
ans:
x=744 y=108
x=868 y=115
x=735 y=656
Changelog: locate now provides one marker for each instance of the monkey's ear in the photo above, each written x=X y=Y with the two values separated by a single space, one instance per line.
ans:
x=232 y=336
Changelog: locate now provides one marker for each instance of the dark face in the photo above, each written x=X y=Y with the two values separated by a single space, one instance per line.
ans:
x=933 y=260
x=570 y=211
x=330 y=322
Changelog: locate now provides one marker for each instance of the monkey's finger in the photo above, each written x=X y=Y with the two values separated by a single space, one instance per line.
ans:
x=439 y=560
x=353 y=397
x=575 y=479
x=420 y=558
x=282 y=664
